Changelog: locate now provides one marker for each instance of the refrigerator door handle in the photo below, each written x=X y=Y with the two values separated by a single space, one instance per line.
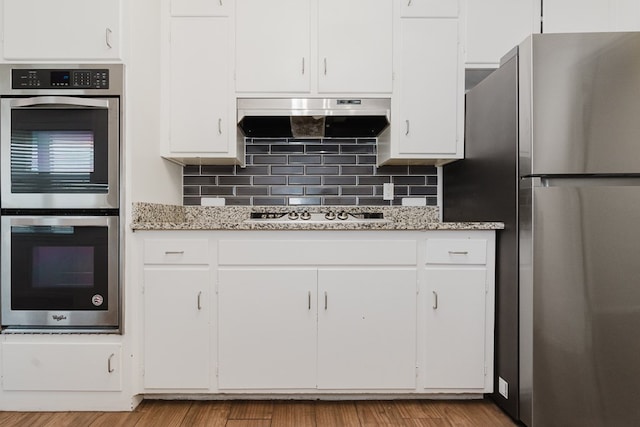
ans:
x=585 y=181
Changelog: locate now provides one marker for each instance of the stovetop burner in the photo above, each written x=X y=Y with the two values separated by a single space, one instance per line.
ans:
x=306 y=216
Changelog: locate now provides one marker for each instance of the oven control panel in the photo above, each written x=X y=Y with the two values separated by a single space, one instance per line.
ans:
x=59 y=79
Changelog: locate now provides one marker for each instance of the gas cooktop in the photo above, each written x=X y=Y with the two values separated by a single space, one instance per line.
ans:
x=315 y=217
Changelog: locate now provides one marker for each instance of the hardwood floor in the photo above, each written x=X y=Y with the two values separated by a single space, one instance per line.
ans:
x=159 y=413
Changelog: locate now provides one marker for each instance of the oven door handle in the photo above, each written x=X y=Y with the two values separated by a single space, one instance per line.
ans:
x=59 y=100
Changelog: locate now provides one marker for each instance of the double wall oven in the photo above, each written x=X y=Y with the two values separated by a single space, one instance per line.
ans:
x=60 y=138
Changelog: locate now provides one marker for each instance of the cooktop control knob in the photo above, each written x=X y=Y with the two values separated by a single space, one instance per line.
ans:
x=343 y=215
x=293 y=215
x=305 y=215
x=331 y=215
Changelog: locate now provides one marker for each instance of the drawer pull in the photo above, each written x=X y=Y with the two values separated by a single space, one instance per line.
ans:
x=199 y=300
x=409 y=4
x=325 y=300
x=435 y=300
x=458 y=252
x=309 y=300
x=109 y=367
x=174 y=252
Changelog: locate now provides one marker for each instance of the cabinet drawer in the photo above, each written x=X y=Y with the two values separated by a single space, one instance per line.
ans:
x=456 y=251
x=312 y=252
x=176 y=251
x=61 y=367
x=429 y=8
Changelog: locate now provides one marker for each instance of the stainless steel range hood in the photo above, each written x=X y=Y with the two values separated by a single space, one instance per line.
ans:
x=313 y=117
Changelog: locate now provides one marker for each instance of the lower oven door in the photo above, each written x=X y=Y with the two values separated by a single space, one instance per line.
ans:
x=60 y=272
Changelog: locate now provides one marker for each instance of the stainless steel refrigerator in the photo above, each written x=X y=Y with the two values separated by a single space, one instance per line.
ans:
x=552 y=145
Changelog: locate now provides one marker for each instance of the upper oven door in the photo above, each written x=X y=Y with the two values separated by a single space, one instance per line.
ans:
x=59 y=152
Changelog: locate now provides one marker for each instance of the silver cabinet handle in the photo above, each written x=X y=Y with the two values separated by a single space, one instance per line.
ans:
x=219 y=126
x=409 y=4
x=109 y=367
x=309 y=300
x=303 y=65
x=107 y=37
x=199 y=300
x=435 y=300
x=325 y=300
x=58 y=100
x=173 y=252
x=458 y=252
x=325 y=66
x=220 y=2
x=407 y=132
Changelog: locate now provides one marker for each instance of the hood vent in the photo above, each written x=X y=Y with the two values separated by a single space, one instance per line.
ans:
x=313 y=117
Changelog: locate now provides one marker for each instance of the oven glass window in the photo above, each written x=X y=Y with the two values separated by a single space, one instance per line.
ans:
x=59 y=268
x=59 y=151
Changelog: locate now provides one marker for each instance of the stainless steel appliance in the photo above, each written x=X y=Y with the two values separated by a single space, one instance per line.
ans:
x=552 y=148
x=60 y=136
x=59 y=272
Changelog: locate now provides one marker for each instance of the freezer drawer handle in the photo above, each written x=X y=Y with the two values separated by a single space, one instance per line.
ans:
x=109 y=367
x=173 y=252
x=309 y=300
x=409 y=4
x=325 y=300
x=200 y=300
x=407 y=132
x=435 y=300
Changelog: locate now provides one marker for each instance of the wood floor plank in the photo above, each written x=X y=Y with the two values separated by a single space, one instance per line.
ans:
x=72 y=419
x=251 y=410
x=299 y=414
x=31 y=419
x=412 y=409
x=248 y=423
x=343 y=414
x=166 y=413
x=207 y=413
x=116 y=419
x=378 y=413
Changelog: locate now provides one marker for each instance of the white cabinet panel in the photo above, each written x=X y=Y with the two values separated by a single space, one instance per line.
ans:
x=176 y=328
x=366 y=329
x=428 y=120
x=355 y=46
x=571 y=16
x=273 y=46
x=50 y=366
x=456 y=251
x=494 y=27
x=176 y=251
x=201 y=7
x=267 y=329
x=429 y=8
x=199 y=86
x=456 y=328
x=61 y=30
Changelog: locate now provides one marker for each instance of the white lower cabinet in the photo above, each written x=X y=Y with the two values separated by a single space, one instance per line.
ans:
x=177 y=312
x=177 y=332
x=55 y=366
x=367 y=328
x=267 y=329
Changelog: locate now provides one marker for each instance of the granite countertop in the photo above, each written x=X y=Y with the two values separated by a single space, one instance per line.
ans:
x=152 y=216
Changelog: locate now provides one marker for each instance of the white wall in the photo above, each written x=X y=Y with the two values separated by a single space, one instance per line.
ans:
x=150 y=178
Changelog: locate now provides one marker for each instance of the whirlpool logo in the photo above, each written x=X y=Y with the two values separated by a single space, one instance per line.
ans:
x=59 y=317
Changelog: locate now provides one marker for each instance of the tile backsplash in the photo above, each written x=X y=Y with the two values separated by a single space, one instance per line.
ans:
x=296 y=172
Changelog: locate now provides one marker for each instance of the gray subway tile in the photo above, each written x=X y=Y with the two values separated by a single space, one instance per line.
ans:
x=305 y=180
x=269 y=180
x=360 y=149
x=307 y=159
x=410 y=180
x=238 y=201
x=364 y=159
x=373 y=201
x=362 y=190
x=339 y=180
x=269 y=201
x=305 y=201
x=392 y=170
x=423 y=191
x=322 y=191
x=191 y=190
x=287 y=191
x=268 y=141
x=252 y=191
x=287 y=170
x=253 y=170
x=340 y=201
x=322 y=170
x=432 y=180
x=217 y=170
x=422 y=170
x=216 y=191
x=373 y=180
x=287 y=148
x=199 y=180
x=260 y=159
x=339 y=160
x=322 y=148
x=234 y=180
x=357 y=170
x=257 y=149
x=372 y=141
x=191 y=201
x=191 y=170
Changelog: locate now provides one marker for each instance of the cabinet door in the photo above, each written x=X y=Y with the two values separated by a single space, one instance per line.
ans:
x=63 y=29
x=494 y=27
x=455 y=329
x=355 y=46
x=366 y=329
x=430 y=92
x=267 y=329
x=272 y=45
x=55 y=366
x=199 y=86
x=429 y=8
x=176 y=328
x=201 y=7
x=568 y=16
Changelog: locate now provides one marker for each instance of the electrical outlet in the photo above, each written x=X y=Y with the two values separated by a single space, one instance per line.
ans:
x=503 y=388
x=387 y=191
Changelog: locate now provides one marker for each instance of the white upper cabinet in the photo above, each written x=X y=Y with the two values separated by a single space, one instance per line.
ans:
x=494 y=27
x=290 y=46
x=61 y=30
x=355 y=46
x=429 y=8
x=428 y=93
x=273 y=46
x=567 y=16
x=201 y=7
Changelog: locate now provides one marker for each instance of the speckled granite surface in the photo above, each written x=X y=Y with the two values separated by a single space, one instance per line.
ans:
x=151 y=216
